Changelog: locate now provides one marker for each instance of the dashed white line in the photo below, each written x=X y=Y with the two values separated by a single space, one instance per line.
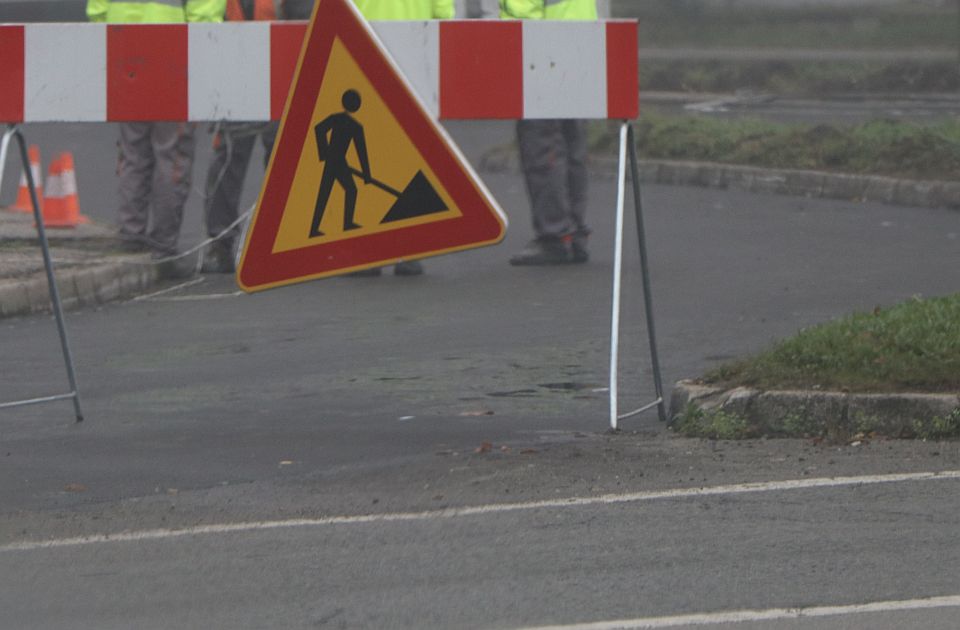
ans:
x=751 y=616
x=485 y=510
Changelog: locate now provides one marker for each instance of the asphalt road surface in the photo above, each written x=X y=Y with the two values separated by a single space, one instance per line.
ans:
x=432 y=452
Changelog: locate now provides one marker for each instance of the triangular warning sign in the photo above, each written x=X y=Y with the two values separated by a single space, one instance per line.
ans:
x=361 y=175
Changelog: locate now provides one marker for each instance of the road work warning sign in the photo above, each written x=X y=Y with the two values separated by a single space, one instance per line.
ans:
x=361 y=175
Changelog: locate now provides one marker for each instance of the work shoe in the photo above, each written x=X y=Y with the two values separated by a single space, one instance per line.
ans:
x=218 y=258
x=170 y=266
x=543 y=252
x=408 y=268
x=132 y=243
x=578 y=247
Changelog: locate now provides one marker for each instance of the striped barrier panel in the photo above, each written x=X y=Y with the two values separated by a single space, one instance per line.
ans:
x=462 y=69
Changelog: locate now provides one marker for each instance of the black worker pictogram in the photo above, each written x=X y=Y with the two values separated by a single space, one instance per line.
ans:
x=334 y=136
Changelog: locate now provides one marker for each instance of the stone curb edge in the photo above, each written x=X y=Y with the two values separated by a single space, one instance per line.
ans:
x=816 y=184
x=840 y=413
x=77 y=287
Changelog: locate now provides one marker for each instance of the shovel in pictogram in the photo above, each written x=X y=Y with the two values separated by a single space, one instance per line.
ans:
x=416 y=200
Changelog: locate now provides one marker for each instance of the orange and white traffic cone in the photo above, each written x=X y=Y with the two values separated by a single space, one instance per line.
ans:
x=61 y=208
x=52 y=211
x=68 y=183
x=23 y=203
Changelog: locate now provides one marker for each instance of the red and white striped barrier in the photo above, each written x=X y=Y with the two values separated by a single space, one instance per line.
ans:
x=462 y=69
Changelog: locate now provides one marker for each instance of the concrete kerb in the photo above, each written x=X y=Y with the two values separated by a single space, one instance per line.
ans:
x=839 y=415
x=87 y=267
x=77 y=287
x=813 y=184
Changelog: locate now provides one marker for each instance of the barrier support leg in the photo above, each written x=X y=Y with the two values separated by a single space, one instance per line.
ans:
x=74 y=393
x=4 y=145
x=628 y=146
x=645 y=266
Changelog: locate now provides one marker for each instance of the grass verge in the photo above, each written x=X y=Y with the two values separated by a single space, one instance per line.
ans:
x=715 y=425
x=694 y=24
x=793 y=77
x=880 y=147
x=913 y=346
x=697 y=24
x=696 y=422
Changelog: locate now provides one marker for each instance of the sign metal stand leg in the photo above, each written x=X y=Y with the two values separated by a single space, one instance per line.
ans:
x=4 y=144
x=74 y=393
x=628 y=144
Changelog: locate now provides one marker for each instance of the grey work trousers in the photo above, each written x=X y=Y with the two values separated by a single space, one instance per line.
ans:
x=232 y=148
x=155 y=167
x=553 y=155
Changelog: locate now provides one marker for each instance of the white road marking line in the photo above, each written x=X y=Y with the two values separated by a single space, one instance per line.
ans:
x=749 y=616
x=483 y=510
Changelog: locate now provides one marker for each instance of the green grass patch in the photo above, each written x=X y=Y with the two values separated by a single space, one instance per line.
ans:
x=798 y=77
x=719 y=424
x=678 y=23
x=879 y=147
x=673 y=24
x=939 y=428
x=714 y=425
x=913 y=346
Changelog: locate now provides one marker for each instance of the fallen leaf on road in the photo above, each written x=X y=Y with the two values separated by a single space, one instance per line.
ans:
x=486 y=447
x=476 y=413
x=286 y=462
x=528 y=451
x=75 y=487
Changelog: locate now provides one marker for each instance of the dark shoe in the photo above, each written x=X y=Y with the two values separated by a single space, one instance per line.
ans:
x=171 y=268
x=543 y=252
x=133 y=244
x=578 y=249
x=373 y=272
x=160 y=255
x=218 y=258
x=408 y=268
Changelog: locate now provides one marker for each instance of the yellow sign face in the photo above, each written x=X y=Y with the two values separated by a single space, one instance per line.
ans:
x=393 y=160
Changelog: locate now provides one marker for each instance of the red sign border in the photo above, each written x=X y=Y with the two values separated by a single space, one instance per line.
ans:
x=481 y=223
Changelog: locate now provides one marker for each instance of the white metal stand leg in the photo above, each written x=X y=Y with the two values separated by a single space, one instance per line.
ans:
x=617 y=276
x=627 y=144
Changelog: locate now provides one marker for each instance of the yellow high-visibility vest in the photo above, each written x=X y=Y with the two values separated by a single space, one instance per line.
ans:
x=156 y=11
x=406 y=9
x=548 y=9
